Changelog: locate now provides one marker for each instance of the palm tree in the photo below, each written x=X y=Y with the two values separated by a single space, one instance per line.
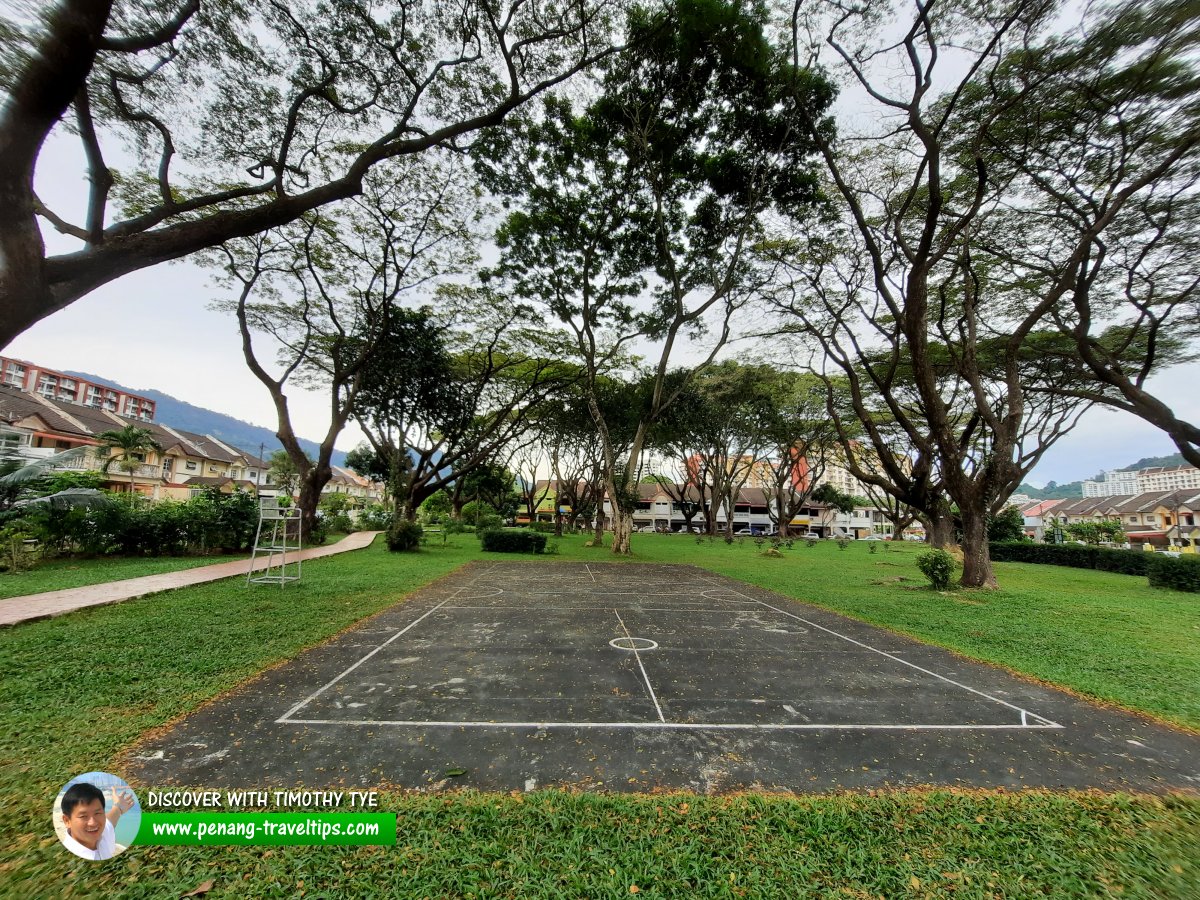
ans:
x=130 y=441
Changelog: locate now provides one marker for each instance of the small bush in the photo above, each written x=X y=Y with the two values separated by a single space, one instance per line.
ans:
x=485 y=522
x=376 y=517
x=1178 y=574
x=938 y=566
x=404 y=536
x=339 y=522
x=843 y=543
x=543 y=527
x=500 y=541
x=319 y=533
x=872 y=547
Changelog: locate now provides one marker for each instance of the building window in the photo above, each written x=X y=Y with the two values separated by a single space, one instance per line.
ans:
x=190 y=466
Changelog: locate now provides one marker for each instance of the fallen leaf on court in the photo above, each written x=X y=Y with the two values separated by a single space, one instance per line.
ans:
x=200 y=890
x=454 y=773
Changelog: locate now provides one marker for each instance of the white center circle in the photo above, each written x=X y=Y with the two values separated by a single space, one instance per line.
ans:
x=633 y=643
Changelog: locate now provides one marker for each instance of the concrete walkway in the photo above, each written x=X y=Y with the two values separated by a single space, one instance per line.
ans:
x=55 y=603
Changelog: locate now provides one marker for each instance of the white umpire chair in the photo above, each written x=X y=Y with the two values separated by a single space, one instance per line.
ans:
x=278 y=536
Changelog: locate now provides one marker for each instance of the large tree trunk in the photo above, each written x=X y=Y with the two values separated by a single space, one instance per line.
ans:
x=311 y=485
x=977 y=557
x=939 y=529
x=622 y=526
x=598 y=532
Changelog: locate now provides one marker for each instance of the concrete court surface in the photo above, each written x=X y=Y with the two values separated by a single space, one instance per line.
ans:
x=641 y=677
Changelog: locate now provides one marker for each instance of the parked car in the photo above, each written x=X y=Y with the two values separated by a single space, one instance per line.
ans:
x=874 y=537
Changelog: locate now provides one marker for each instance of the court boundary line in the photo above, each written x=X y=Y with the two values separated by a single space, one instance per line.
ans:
x=319 y=691
x=638 y=656
x=669 y=726
x=1050 y=723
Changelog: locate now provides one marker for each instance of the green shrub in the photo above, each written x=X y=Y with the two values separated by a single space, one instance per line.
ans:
x=510 y=541
x=543 y=527
x=404 y=536
x=938 y=566
x=339 y=522
x=484 y=522
x=319 y=533
x=1178 y=574
x=375 y=517
x=1125 y=562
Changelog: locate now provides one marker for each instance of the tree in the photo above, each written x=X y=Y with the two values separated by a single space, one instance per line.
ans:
x=1096 y=140
x=1007 y=525
x=801 y=441
x=237 y=118
x=326 y=293
x=635 y=214
x=719 y=430
x=284 y=473
x=408 y=376
x=1095 y=532
x=127 y=448
x=496 y=379
x=489 y=484
x=903 y=301
x=364 y=461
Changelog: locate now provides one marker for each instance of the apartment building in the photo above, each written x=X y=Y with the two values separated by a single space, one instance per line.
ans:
x=1142 y=481
x=59 y=386
x=183 y=463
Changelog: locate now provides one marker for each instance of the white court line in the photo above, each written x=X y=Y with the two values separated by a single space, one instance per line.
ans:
x=1023 y=712
x=638 y=656
x=590 y=572
x=680 y=609
x=319 y=691
x=668 y=726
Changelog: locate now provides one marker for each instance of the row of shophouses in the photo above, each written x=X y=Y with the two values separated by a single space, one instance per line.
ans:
x=1159 y=519
x=661 y=508
x=35 y=426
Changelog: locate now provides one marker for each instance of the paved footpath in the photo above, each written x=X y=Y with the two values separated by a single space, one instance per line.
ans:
x=55 y=603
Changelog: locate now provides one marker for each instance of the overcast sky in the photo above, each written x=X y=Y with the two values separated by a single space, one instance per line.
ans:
x=152 y=330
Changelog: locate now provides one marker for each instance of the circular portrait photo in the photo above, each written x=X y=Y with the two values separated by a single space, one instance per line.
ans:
x=96 y=816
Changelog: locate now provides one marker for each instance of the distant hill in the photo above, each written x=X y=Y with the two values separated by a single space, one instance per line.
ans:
x=1175 y=459
x=189 y=417
x=1074 y=489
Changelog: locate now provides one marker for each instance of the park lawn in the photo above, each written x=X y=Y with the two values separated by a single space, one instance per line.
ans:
x=59 y=574
x=77 y=690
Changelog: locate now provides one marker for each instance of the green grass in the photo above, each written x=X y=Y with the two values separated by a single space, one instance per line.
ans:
x=59 y=574
x=76 y=690
x=555 y=845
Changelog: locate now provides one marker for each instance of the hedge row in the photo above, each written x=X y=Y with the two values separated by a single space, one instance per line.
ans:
x=513 y=541
x=1106 y=559
x=1179 y=574
x=135 y=526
